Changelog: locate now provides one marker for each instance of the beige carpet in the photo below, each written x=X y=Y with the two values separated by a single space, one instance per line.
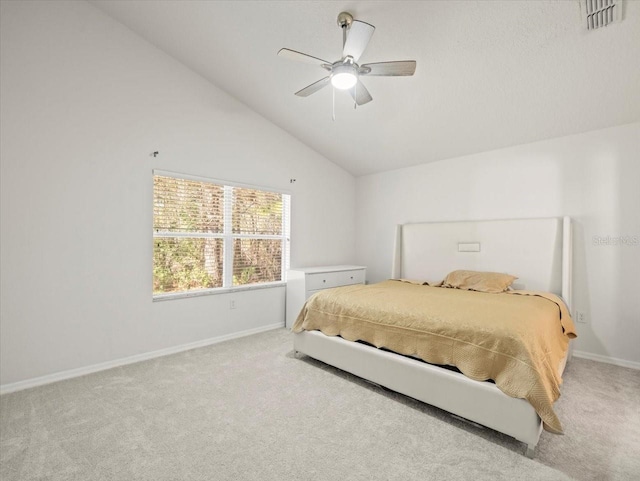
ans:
x=247 y=410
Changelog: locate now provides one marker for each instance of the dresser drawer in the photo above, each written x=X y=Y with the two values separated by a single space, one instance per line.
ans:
x=326 y=280
x=351 y=277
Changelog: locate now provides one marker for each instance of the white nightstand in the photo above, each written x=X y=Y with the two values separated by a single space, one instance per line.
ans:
x=303 y=282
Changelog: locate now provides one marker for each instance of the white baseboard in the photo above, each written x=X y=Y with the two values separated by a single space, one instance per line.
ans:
x=81 y=371
x=607 y=359
x=71 y=373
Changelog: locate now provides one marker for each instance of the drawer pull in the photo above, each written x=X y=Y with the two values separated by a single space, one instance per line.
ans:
x=324 y=280
x=351 y=277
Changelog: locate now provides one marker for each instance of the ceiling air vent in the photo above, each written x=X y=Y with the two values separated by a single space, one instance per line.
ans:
x=600 y=13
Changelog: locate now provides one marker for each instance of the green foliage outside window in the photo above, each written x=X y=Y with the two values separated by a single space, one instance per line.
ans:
x=185 y=264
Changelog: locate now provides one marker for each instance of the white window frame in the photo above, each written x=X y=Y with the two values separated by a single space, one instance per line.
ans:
x=228 y=237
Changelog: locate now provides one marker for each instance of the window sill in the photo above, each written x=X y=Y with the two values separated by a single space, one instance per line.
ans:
x=216 y=291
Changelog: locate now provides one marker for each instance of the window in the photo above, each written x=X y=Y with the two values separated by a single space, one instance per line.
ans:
x=209 y=235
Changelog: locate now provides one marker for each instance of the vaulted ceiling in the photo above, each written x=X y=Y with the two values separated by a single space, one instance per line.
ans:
x=490 y=74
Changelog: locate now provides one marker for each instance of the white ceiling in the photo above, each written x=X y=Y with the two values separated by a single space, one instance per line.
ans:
x=489 y=75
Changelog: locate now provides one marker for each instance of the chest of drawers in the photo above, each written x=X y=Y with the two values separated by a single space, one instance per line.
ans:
x=303 y=282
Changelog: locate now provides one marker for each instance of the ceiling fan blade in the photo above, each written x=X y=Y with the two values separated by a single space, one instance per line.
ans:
x=360 y=94
x=301 y=57
x=390 y=69
x=313 y=88
x=358 y=37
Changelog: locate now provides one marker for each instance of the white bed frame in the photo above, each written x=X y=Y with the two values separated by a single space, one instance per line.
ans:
x=538 y=251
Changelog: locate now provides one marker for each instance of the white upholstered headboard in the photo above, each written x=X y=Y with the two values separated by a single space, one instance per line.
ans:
x=537 y=251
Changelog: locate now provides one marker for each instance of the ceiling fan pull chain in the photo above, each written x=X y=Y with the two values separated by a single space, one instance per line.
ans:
x=355 y=97
x=333 y=115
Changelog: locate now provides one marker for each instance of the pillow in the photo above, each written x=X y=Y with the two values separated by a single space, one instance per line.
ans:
x=478 y=281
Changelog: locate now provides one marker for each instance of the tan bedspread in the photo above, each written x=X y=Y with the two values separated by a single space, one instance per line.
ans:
x=518 y=341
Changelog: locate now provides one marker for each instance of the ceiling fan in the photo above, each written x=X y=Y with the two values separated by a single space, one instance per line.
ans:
x=344 y=74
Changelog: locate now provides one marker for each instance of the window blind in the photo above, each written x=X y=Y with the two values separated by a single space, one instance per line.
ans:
x=211 y=235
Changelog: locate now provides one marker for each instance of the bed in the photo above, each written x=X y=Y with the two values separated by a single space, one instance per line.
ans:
x=538 y=251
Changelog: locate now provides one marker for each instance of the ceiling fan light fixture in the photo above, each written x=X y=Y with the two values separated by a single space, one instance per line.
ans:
x=344 y=77
x=343 y=81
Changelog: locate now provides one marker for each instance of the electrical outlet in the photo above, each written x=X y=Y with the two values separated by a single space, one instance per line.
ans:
x=232 y=304
x=581 y=317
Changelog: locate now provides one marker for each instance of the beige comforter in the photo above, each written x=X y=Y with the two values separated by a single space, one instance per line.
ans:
x=518 y=341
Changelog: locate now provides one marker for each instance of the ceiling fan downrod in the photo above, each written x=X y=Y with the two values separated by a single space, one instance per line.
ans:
x=345 y=19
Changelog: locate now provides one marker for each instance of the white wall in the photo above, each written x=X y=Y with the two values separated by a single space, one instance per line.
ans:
x=84 y=103
x=592 y=177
